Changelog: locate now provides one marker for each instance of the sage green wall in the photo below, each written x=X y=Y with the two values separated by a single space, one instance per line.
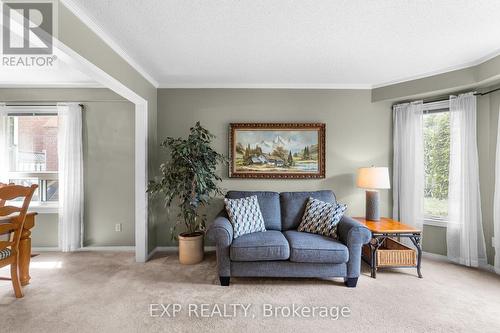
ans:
x=488 y=130
x=434 y=240
x=45 y=232
x=108 y=154
x=437 y=85
x=358 y=133
x=108 y=144
x=481 y=75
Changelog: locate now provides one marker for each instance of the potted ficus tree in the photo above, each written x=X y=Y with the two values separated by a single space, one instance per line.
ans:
x=189 y=179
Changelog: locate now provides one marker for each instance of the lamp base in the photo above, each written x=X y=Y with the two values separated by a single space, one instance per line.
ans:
x=372 y=206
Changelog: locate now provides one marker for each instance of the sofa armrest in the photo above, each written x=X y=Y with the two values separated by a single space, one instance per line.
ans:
x=353 y=232
x=221 y=232
x=354 y=235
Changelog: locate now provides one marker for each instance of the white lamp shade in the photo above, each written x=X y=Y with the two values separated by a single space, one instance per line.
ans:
x=374 y=178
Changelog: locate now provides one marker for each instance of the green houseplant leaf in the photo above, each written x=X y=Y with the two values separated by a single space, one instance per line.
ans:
x=189 y=177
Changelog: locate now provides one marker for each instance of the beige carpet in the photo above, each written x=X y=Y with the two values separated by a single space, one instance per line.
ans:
x=109 y=292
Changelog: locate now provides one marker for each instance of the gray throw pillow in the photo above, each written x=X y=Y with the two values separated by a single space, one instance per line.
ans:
x=322 y=217
x=245 y=215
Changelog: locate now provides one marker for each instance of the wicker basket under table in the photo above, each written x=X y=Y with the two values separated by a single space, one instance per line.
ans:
x=392 y=253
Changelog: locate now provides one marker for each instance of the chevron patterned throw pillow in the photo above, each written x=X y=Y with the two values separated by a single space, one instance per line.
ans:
x=322 y=217
x=245 y=215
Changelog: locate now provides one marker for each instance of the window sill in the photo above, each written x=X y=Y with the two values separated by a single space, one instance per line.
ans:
x=52 y=208
x=436 y=222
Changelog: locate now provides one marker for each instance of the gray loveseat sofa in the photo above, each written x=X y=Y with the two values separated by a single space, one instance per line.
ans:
x=282 y=251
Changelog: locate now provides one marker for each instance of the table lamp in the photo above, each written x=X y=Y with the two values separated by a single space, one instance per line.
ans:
x=373 y=179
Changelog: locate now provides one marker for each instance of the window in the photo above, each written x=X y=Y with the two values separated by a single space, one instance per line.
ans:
x=32 y=147
x=436 y=159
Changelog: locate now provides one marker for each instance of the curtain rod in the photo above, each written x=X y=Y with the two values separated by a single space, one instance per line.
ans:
x=35 y=105
x=445 y=98
x=486 y=93
x=54 y=103
x=437 y=99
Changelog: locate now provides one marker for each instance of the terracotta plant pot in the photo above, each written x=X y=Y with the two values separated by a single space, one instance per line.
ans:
x=191 y=248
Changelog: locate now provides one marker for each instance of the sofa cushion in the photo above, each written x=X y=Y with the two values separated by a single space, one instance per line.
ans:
x=322 y=218
x=312 y=248
x=269 y=203
x=293 y=205
x=259 y=246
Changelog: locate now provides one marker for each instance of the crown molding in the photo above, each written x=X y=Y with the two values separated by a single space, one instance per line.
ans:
x=264 y=86
x=17 y=84
x=95 y=27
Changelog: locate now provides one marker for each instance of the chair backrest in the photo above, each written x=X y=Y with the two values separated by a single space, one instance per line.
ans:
x=16 y=214
x=2 y=202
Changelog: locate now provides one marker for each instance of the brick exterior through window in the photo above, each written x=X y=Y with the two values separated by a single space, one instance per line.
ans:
x=36 y=148
x=33 y=154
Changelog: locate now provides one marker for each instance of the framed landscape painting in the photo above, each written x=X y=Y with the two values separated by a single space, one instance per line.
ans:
x=275 y=150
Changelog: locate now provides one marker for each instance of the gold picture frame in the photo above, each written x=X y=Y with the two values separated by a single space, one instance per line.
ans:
x=277 y=150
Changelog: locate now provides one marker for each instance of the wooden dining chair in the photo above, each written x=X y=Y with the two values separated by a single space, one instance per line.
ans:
x=2 y=202
x=11 y=222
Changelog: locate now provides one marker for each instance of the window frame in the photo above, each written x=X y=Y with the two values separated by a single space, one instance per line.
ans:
x=39 y=205
x=430 y=108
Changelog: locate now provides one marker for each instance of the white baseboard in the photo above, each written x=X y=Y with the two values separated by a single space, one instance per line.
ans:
x=173 y=249
x=486 y=267
x=87 y=248
x=108 y=248
x=435 y=256
x=166 y=249
x=482 y=266
x=176 y=248
x=45 y=249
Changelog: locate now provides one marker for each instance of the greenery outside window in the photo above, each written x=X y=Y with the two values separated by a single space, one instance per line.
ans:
x=436 y=165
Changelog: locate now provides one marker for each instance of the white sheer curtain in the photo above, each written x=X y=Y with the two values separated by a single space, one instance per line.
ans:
x=464 y=235
x=496 y=204
x=408 y=173
x=70 y=176
x=4 y=152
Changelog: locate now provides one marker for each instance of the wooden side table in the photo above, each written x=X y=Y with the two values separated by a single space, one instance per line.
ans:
x=388 y=228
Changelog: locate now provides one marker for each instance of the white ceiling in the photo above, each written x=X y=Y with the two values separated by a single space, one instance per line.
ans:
x=296 y=43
